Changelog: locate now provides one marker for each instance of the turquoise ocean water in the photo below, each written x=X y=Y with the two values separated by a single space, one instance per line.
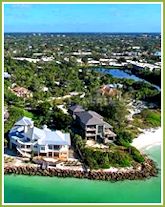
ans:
x=35 y=189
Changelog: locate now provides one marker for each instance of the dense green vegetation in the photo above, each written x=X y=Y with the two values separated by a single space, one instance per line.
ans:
x=15 y=114
x=124 y=138
x=112 y=110
x=105 y=158
x=151 y=76
x=148 y=118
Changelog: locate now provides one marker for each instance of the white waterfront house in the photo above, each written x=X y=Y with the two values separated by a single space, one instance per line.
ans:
x=28 y=139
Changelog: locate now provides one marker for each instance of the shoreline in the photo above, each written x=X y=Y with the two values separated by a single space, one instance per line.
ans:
x=148 y=138
x=143 y=171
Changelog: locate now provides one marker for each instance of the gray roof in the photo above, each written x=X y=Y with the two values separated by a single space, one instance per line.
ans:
x=76 y=108
x=90 y=118
x=35 y=133
x=93 y=113
x=41 y=136
x=55 y=138
x=107 y=125
x=45 y=136
x=24 y=121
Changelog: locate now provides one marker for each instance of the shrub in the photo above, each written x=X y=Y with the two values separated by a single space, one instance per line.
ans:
x=136 y=154
x=105 y=162
x=122 y=142
x=151 y=117
x=124 y=138
x=119 y=158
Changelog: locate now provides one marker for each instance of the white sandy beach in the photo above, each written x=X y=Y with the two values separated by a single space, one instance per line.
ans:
x=148 y=138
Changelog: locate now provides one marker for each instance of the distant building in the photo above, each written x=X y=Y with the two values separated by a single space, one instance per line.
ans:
x=7 y=75
x=141 y=65
x=26 y=59
x=136 y=47
x=111 y=90
x=93 y=62
x=81 y=53
x=21 y=92
x=47 y=59
x=157 y=54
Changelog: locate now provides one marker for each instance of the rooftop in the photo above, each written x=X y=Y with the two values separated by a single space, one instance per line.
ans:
x=90 y=118
x=24 y=121
x=76 y=108
x=41 y=136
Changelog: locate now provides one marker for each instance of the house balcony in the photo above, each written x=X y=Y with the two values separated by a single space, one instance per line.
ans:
x=24 y=154
x=25 y=149
x=24 y=142
x=43 y=151
x=108 y=140
x=90 y=134
x=109 y=133
x=53 y=150
x=88 y=129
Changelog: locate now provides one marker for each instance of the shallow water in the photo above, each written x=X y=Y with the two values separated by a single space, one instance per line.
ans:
x=35 y=189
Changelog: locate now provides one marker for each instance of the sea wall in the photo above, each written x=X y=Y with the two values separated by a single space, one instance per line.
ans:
x=148 y=169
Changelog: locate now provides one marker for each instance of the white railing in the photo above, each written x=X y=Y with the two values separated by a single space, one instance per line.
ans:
x=24 y=154
x=90 y=134
x=25 y=149
x=91 y=129
x=24 y=143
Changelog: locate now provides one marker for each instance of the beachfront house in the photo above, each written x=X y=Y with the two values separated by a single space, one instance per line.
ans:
x=28 y=139
x=92 y=125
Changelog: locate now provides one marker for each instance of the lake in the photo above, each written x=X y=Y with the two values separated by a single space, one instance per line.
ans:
x=118 y=73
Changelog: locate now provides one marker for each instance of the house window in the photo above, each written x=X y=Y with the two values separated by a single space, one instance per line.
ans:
x=56 y=147
x=111 y=138
x=42 y=148
x=50 y=154
x=50 y=147
x=92 y=126
x=100 y=129
x=27 y=146
x=56 y=154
